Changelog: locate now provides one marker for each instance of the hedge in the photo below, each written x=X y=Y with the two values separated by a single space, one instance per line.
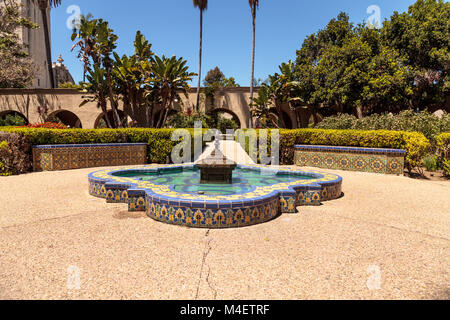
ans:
x=158 y=140
x=160 y=144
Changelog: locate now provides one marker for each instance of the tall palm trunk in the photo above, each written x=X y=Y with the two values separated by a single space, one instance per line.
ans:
x=200 y=62
x=252 y=78
x=48 y=47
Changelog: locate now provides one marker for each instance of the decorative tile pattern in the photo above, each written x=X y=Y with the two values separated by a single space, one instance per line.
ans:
x=387 y=161
x=47 y=162
x=67 y=157
x=163 y=203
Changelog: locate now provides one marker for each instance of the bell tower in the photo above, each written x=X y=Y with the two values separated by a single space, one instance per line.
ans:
x=34 y=41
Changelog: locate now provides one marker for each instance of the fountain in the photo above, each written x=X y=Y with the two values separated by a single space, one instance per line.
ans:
x=216 y=169
x=215 y=192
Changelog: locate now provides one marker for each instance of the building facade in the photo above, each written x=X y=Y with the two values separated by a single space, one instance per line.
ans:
x=34 y=42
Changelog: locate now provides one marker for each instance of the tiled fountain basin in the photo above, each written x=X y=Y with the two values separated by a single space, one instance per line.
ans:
x=254 y=205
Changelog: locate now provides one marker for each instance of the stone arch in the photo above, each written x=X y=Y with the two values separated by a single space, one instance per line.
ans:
x=67 y=118
x=100 y=122
x=5 y=113
x=229 y=112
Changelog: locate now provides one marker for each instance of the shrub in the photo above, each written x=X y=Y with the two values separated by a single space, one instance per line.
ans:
x=446 y=167
x=443 y=150
x=15 y=154
x=12 y=120
x=443 y=145
x=431 y=163
x=428 y=124
x=3 y=169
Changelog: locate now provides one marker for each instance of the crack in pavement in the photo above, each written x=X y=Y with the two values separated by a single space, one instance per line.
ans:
x=210 y=284
x=207 y=250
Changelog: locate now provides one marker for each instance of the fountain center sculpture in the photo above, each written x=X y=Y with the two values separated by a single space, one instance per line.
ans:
x=216 y=169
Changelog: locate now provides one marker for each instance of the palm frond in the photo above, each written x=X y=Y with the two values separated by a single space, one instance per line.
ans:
x=201 y=4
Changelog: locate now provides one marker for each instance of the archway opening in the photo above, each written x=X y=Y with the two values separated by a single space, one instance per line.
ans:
x=101 y=122
x=12 y=118
x=65 y=117
x=224 y=119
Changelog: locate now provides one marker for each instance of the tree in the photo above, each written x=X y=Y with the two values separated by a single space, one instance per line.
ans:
x=44 y=5
x=422 y=35
x=96 y=44
x=346 y=68
x=254 y=5
x=278 y=91
x=16 y=67
x=262 y=108
x=131 y=74
x=142 y=81
x=216 y=80
x=171 y=77
x=202 y=5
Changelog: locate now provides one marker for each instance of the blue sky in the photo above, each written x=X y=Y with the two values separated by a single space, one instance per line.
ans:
x=172 y=26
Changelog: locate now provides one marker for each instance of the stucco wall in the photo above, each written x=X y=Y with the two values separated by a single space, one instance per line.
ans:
x=29 y=101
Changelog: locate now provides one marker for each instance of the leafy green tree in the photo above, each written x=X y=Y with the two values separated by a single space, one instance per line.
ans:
x=131 y=75
x=96 y=43
x=171 y=77
x=216 y=80
x=16 y=67
x=346 y=68
x=422 y=35
x=262 y=108
x=202 y=5
x=390 y=83
x=144 y=82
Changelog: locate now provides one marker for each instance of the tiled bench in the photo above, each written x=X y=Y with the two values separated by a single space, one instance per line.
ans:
x=77 y=156
x=387 y=161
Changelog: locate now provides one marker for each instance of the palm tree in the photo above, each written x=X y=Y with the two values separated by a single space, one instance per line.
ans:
x=202 y=5
x=43 y=6
x=170 y=77
x=254 y=5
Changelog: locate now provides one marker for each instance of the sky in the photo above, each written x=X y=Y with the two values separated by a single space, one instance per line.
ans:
x=172 y=26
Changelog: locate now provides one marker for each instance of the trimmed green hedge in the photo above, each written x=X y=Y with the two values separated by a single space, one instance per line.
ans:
x=415 y=144
x=158 y=140
x=160 y=145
